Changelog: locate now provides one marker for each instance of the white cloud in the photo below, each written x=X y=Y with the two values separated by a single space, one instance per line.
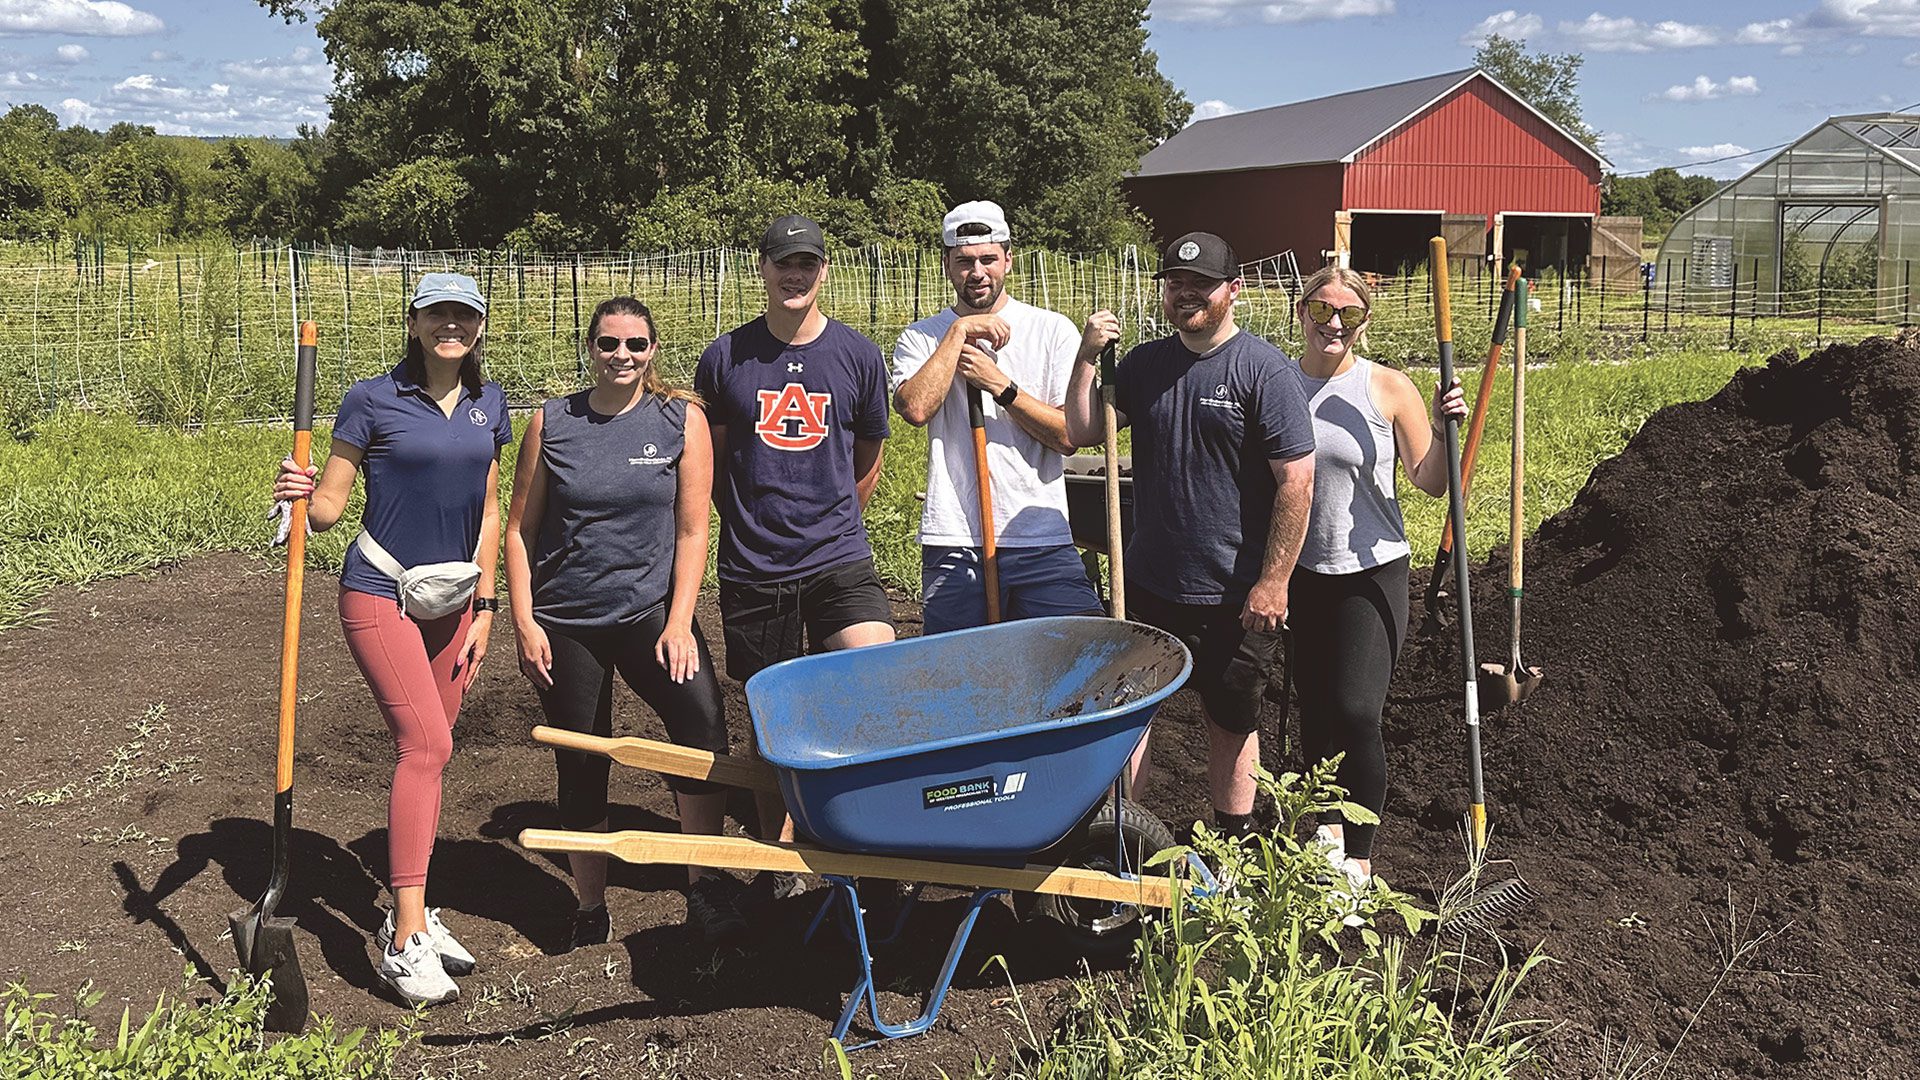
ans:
x=1717 y=150
x=1771 y=32
x=1508 y=24
x=87 y=18
x=1271 y=11
x=174 y=108
x=1211 y=108
x=23 y=80
x=1705 y=89
x=162 y=56
x=72 y=54
x=1911 y=60
x=304 y=68
x=1601 y=33
x=1886 y=18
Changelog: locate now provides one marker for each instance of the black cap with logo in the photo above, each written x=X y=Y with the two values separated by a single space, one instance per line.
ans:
x=1203 y=253
x=791 y=234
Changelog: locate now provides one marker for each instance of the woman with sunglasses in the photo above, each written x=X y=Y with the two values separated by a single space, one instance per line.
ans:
x=1348 y=593
x=428 y=436
x=606 y=546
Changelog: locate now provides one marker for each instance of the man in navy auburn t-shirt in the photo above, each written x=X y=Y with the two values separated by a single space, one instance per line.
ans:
x=1222 y=483
x=798 y=407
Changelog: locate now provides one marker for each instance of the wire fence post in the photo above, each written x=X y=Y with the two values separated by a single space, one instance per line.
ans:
x=1666 y=298
x=1733 y=302
x=1646 y=305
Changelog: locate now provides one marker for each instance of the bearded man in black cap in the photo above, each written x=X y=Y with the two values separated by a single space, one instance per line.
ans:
x=1222 y=485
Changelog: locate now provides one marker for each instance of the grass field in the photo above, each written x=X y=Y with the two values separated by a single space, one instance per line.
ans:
x=89 y=497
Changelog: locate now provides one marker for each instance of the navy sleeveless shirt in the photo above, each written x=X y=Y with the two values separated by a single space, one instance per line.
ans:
x=605 y=552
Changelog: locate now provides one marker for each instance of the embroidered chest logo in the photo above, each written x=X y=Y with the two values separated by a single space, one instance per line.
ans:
x=792 y=419
x=1221 y=399
x=478 y=418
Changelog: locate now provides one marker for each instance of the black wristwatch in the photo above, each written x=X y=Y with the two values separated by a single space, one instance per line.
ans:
x=485 y=603
x=1005 y=397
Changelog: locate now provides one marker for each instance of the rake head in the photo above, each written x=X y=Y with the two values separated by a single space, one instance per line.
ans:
x=1486 y=907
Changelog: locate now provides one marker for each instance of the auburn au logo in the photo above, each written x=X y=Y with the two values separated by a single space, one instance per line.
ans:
x=791 y=418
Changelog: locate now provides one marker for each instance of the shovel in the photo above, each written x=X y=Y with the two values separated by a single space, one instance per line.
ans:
x=989 y=554
x=264 y=942
x=1116 y=572
x=1430 y=616
x=1511 y=684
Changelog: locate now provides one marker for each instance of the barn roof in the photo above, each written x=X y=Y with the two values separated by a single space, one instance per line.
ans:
x=1319 y=131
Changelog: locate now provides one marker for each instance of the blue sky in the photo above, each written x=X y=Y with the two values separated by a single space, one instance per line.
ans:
x=1666 y=85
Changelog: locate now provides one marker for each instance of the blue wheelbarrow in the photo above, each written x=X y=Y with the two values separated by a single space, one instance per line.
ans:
x=982 y=758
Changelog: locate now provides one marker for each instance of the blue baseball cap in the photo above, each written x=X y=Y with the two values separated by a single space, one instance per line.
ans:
x=461 y=289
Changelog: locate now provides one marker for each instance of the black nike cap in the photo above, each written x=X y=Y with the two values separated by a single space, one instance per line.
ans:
x=791 y=234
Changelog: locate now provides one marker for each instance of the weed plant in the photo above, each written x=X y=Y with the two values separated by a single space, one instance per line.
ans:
x=184 y=1041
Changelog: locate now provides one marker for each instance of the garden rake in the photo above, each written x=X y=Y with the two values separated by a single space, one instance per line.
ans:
x=264 y=942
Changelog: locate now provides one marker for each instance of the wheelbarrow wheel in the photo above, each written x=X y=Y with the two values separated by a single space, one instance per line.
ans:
x=1098 y=927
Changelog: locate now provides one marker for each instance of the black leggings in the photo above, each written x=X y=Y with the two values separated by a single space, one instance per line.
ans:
x=1347 y=631
x=581 y=699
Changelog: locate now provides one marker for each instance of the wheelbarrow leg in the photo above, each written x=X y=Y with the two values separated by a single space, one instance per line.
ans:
x=832 y=902
x=864 y=991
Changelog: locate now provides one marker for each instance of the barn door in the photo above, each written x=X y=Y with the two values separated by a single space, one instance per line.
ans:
x=1617 y=241
x=1466 y=236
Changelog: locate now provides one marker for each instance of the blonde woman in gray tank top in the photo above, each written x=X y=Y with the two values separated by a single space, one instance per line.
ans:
x=1348 y=596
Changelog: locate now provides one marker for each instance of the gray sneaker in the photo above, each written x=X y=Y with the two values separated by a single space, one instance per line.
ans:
x=712 y=908
x=415 y=973
x=454 y=957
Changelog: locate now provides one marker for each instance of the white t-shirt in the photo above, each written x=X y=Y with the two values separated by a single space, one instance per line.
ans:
x=1029 y=496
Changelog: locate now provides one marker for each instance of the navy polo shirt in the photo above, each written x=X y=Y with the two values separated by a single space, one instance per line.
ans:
x=426 y=471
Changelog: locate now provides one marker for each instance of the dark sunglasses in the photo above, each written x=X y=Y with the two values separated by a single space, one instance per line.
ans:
x=1322 y=312
x=607 y=343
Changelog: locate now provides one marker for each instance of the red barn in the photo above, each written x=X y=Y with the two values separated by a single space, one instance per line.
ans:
x=1366 y=177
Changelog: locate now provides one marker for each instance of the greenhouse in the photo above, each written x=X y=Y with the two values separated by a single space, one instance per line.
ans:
x=1832 y=223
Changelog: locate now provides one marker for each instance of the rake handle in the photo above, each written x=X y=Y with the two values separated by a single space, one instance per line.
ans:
x=1457 y=514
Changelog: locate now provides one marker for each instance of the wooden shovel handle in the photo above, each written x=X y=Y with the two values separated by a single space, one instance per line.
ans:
x=743 y=853
x=1110 y=425
x=989 y=552
x=668 y=758
x=1484 y=398
x=306 y=367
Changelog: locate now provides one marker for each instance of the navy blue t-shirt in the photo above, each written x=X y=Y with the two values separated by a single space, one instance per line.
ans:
x=792 y=412
x=1205 y=432
x=426 y=471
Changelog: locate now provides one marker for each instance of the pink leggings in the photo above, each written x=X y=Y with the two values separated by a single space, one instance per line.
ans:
x=410 y=666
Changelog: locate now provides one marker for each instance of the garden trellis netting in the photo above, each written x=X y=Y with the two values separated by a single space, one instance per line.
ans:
x=1828 y=227
x=207 y=335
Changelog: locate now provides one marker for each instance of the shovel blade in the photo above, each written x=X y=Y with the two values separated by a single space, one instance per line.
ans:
x=1500 y=687
x=265 y=948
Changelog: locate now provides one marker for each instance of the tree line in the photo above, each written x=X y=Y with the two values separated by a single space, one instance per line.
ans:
x=645 y=124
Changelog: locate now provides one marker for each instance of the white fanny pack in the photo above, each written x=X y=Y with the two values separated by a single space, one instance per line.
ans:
x=430 y=590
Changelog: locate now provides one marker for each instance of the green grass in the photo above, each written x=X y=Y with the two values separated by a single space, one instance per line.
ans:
x=90 y=497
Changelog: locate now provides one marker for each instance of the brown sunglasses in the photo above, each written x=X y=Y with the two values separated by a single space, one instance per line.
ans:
x=1322 y=312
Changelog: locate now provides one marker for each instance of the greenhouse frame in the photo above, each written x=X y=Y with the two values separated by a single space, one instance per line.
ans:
x=1832 y=221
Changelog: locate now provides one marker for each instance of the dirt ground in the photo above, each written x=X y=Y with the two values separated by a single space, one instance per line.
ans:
x=1719 y=772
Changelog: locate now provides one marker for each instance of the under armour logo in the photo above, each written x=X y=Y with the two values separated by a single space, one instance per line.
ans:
x=794 y=369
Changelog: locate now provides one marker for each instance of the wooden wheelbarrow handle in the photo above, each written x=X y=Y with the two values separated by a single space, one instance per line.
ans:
x=668 y=758
x=742 y=853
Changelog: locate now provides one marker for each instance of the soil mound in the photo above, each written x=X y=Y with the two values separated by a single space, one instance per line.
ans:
x=1729 y=619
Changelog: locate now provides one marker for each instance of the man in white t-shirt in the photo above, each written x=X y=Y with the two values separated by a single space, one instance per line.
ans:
x=1020 y=357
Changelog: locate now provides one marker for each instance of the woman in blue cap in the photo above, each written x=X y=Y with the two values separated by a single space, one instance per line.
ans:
x=417 y=590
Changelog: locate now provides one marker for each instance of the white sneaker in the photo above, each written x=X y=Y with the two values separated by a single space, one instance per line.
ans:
x=1354 y=883
x=454 y=957
x=1336 y=846
x=415 y=973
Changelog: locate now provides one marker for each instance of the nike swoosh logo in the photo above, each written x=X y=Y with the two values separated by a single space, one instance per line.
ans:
x=794 y=232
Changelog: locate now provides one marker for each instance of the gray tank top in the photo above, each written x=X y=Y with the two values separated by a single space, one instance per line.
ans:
x=1356 y=523
x=605 y=552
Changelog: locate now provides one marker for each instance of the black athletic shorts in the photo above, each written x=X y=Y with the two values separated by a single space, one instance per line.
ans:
x=1230 y=663
x=768 y=623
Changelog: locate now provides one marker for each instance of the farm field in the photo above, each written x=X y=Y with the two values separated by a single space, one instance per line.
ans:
x=1722 y=711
